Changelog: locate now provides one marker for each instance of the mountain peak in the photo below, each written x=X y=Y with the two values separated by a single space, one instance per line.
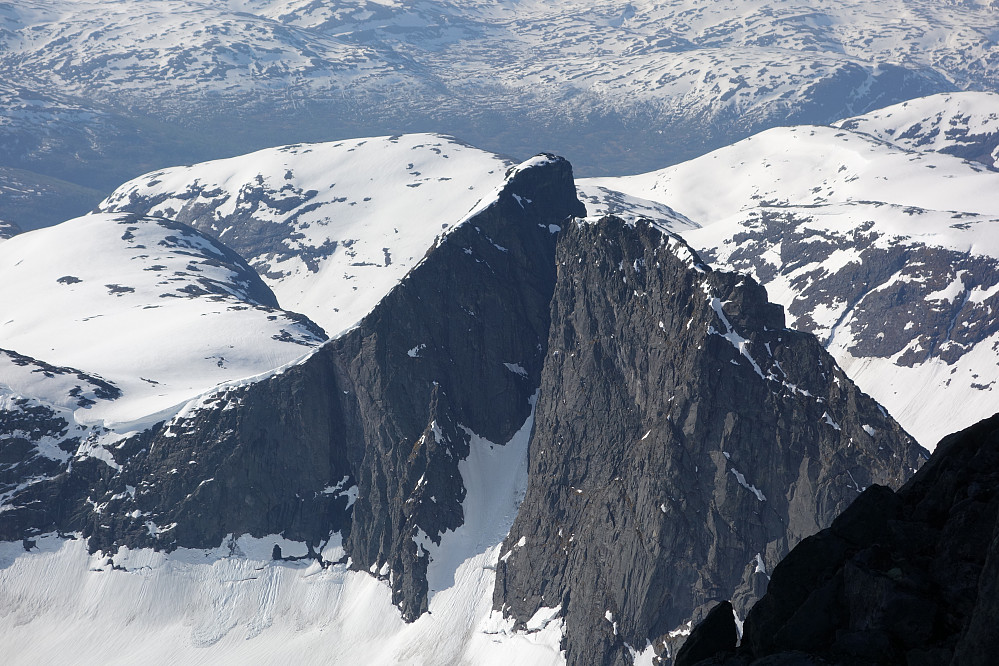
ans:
x=546 y=178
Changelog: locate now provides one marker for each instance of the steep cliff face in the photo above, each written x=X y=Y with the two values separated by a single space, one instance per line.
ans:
x=364 y=437
x=684 y=441
x=456 y=349
x=899 y=578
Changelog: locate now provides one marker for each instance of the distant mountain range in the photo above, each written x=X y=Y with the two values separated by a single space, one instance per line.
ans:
x=99 y=92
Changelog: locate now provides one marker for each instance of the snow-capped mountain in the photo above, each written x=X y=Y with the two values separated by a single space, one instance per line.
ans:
x=618 y=87
x=885 y=250
x=379 y=454
x=330 y=227
x=902 y=221
x=403 y=400
x=370 y=389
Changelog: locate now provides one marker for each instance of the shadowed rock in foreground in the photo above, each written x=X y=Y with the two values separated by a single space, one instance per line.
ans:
x=899 y=578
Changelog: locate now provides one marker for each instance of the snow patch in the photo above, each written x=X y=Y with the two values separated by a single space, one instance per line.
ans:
x=742 y=482
x=516 y=369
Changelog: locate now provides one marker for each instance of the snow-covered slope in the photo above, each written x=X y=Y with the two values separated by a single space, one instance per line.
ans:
x=117 y=317
x=331 y=227
x=888 y=254
x=964 y=124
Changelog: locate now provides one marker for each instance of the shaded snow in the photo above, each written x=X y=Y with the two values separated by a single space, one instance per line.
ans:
x=741 y=478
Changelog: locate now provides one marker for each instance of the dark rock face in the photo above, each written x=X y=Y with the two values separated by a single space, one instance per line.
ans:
x=684 y=441
x=435 y=354
x=27 y=427
x=378 y=415
x=899 y=578
x=37 y=440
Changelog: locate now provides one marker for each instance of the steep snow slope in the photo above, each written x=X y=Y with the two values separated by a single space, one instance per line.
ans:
x=331 y=227
x=889 y=255
x=148 y=309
